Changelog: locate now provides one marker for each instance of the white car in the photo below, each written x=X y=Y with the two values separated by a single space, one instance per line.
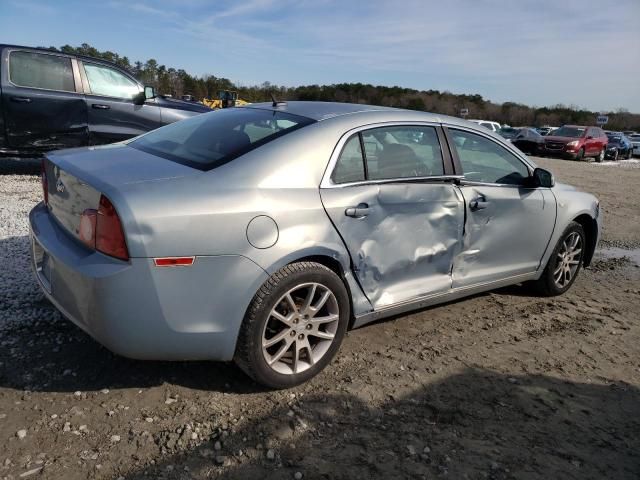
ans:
x=635 y=141
x=493 y=126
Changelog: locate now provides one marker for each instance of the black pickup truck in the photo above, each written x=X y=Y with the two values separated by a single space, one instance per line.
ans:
x=51 y=100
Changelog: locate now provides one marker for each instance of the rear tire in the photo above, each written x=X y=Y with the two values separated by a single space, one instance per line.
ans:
x=564 y=264
x=294 y=325
x=600 y=156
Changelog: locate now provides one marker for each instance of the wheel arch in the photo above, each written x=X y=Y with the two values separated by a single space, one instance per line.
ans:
x=336 y=267
x=590 y=227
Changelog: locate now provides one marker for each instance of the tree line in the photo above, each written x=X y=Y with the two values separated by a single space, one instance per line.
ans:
x=178 y=82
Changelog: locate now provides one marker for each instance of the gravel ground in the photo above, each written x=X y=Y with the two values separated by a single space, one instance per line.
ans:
x=504 y=385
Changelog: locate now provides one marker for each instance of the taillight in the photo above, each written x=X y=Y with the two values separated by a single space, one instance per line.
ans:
x=45 y=182
x=101 y=229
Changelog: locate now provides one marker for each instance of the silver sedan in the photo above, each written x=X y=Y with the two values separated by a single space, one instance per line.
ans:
x=261 y=234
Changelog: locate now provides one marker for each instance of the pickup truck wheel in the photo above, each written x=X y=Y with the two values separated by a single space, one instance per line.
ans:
x=630 y=154
x=564 y=264
x=294 y=325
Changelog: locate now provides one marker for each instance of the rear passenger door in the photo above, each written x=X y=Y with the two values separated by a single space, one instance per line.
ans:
x=42 y=100
x=113 y=115
x=389 y=192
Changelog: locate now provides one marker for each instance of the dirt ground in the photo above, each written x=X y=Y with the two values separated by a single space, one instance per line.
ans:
x=504 y=385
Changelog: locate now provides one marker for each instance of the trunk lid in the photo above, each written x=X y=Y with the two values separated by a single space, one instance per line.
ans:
x=78 y=177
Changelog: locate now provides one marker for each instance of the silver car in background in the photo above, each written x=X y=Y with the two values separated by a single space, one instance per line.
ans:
x=261 y=234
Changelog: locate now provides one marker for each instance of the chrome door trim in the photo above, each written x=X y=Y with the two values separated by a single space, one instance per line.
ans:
x=434 y=299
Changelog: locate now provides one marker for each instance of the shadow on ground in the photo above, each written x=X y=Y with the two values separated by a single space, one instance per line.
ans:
x=19 y=166
x=477 y=424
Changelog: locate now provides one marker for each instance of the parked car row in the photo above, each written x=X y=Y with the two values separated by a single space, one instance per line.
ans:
x=528 y=140
x=619 y=146
x=51 y=100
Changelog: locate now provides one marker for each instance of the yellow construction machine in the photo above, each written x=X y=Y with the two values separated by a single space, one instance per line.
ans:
x=226 y=99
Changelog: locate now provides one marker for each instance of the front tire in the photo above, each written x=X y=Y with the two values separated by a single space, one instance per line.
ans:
x=580 y=155
x=565 y=262
x=294 y=325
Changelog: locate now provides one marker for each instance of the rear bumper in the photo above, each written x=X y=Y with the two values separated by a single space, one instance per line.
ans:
x=141 y=311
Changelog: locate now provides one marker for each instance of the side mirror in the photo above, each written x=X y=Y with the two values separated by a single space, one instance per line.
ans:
x=589 y=137
x=541 y=178
x=138 y=98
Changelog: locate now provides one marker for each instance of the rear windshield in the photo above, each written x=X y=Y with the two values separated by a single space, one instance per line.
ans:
x=212 y=139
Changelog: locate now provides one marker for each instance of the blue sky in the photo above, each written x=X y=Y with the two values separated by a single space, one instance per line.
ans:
x=540 y=52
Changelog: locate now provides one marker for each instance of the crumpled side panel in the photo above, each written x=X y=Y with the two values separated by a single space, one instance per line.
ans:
x=404 y=247
x=507 y=237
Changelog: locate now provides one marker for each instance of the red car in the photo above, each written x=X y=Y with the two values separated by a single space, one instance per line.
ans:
x=577 y=142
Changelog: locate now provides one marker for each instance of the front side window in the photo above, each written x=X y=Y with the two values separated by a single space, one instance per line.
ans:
x=209 y=140
x=38 y=70
x=110 y=83
x=485 y=161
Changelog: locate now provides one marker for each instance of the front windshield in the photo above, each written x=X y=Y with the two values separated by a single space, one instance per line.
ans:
x=209 y=140
x=615 y=139
x=572 y=132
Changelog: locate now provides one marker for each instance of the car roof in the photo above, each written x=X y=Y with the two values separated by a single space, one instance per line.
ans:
x=320 y=110
x=46 y=50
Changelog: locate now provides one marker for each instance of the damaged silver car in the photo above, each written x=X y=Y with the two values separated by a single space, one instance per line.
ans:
x=261 y=234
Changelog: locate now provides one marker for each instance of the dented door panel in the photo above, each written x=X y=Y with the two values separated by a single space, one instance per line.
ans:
x=402 y=239
x=506 y=234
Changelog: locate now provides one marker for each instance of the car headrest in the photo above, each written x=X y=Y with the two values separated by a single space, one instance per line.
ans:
x=233 y=141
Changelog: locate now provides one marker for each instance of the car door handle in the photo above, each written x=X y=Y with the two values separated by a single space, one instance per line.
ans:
x=100 y=106
x=21 y=99
x=479 y=203
x=361 y=211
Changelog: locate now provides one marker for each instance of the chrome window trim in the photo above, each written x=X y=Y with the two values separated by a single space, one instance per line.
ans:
x=55 y=54
x=327 y=182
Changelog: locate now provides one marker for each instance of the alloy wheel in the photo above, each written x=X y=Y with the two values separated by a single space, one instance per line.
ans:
x=300 y=328
x=568 y=260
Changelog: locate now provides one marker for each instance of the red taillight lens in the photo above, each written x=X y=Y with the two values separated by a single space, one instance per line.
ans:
x=109 y=235
x=45 y=182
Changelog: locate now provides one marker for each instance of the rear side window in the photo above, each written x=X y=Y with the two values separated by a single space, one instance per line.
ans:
x=350 y=165
x=39 y=70
x=390 y=153
x=209 y=140
x=109 y=82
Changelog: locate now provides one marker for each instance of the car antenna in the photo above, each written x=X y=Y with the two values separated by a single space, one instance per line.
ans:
x=275 y=102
